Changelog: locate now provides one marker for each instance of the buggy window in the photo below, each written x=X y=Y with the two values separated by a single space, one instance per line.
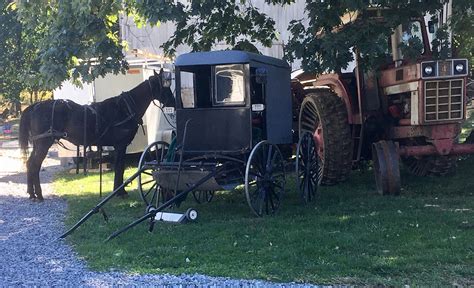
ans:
x=187 y=89
x=195 y=86
x=229 y=85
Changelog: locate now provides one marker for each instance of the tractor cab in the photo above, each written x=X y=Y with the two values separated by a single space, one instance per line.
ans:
x=227 y=101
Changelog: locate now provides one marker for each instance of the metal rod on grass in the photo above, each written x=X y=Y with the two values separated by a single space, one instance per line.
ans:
x=96 y=209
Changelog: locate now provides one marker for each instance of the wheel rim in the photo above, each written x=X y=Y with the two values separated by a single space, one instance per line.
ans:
x=150 y=192
x=201 y=196
x=386 y=168
x=378 y=172
x=264 y=179
x=307 y=168
x=310 y=122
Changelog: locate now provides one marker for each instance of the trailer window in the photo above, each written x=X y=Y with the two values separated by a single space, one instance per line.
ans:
x=229 y=85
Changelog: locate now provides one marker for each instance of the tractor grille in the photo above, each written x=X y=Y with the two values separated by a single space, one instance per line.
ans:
x=444 y=100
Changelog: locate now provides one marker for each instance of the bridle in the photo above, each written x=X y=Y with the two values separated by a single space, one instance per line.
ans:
x=151 y=87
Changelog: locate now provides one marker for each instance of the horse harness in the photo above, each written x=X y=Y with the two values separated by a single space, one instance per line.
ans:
x=131 y=115
x=50 y=132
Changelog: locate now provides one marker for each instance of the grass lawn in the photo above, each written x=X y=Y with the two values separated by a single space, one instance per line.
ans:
x=350 y=236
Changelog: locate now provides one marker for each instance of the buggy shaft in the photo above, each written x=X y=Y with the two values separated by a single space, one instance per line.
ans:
x=153 y=213
x=96 y=209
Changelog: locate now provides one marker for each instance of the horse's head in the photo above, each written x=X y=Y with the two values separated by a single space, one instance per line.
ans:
x=160 y=87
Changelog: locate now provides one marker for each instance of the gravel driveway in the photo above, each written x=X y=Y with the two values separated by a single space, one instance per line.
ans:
x=30 y=254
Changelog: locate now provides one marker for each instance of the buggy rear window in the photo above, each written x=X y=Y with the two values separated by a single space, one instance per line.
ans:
x=229 y=88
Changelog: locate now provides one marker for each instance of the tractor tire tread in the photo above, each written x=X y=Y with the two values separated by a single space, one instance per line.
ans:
x=337 y=136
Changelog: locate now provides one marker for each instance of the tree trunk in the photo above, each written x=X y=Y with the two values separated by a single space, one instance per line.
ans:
x=17 y=108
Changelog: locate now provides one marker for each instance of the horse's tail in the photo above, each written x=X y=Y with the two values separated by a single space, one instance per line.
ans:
x=24 y=133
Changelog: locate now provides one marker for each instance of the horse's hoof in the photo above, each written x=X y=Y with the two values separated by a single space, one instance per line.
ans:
x=40 y=199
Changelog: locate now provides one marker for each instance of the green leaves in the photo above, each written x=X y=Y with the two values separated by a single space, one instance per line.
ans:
x=80 y=38
x=73 y=36
x=325 y=40
x=202 y=24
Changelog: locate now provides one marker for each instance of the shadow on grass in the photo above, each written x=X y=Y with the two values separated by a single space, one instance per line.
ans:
x=351 y=235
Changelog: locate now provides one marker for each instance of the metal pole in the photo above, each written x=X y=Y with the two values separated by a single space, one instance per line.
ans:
x=100 y=171
x=98 y=207
x=85 y=141
x=77 y=159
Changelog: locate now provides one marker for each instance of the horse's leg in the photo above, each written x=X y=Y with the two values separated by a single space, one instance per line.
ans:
x=119 y=167
x=29 y=175
x=40 y=150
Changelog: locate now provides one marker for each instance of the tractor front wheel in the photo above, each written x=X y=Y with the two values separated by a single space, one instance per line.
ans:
x=435 y=165
x=432 y=165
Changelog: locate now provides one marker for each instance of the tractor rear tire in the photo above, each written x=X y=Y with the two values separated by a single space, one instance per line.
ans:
x=324 y=114
x=430 y=165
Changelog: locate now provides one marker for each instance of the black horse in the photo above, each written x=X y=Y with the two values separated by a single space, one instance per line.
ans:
x=113 y=122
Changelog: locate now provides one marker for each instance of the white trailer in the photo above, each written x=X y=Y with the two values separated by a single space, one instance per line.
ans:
x=157 y=126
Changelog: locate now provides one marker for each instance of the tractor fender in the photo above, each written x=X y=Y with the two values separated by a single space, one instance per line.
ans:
x=327 y=81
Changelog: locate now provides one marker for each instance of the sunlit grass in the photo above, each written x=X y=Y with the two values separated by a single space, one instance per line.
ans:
x=351 y=235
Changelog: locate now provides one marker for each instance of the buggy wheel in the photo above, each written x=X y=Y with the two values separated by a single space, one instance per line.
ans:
x=150 y=191
x=201 y=196
x=264 y=179
x=307 y=167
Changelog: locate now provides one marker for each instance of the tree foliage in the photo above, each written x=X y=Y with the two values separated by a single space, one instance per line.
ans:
x=80 y=38
x=10 y=53
x=463 y=27
x=19 y=63
x=74 y=34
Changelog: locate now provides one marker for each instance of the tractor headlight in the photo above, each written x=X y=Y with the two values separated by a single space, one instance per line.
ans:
x=460 y=67
x=428 y=70
x=444 y=68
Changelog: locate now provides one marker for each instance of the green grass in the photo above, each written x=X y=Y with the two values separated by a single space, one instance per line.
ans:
x=350 y=236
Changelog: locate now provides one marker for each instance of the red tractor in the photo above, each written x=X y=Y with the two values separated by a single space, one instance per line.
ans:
x=405 y=110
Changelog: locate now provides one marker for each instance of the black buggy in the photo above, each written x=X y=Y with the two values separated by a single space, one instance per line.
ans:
x=234 y=126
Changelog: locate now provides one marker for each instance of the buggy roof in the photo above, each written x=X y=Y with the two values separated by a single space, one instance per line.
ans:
x=227 y=57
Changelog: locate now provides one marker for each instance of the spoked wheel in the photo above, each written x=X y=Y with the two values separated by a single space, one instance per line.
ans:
x=307 y=167
x=386 y=167
x=264 y=179
x=150 y=191
x=201 y=196
x=430 y=165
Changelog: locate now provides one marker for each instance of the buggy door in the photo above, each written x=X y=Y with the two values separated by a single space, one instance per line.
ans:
x=214 y=103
